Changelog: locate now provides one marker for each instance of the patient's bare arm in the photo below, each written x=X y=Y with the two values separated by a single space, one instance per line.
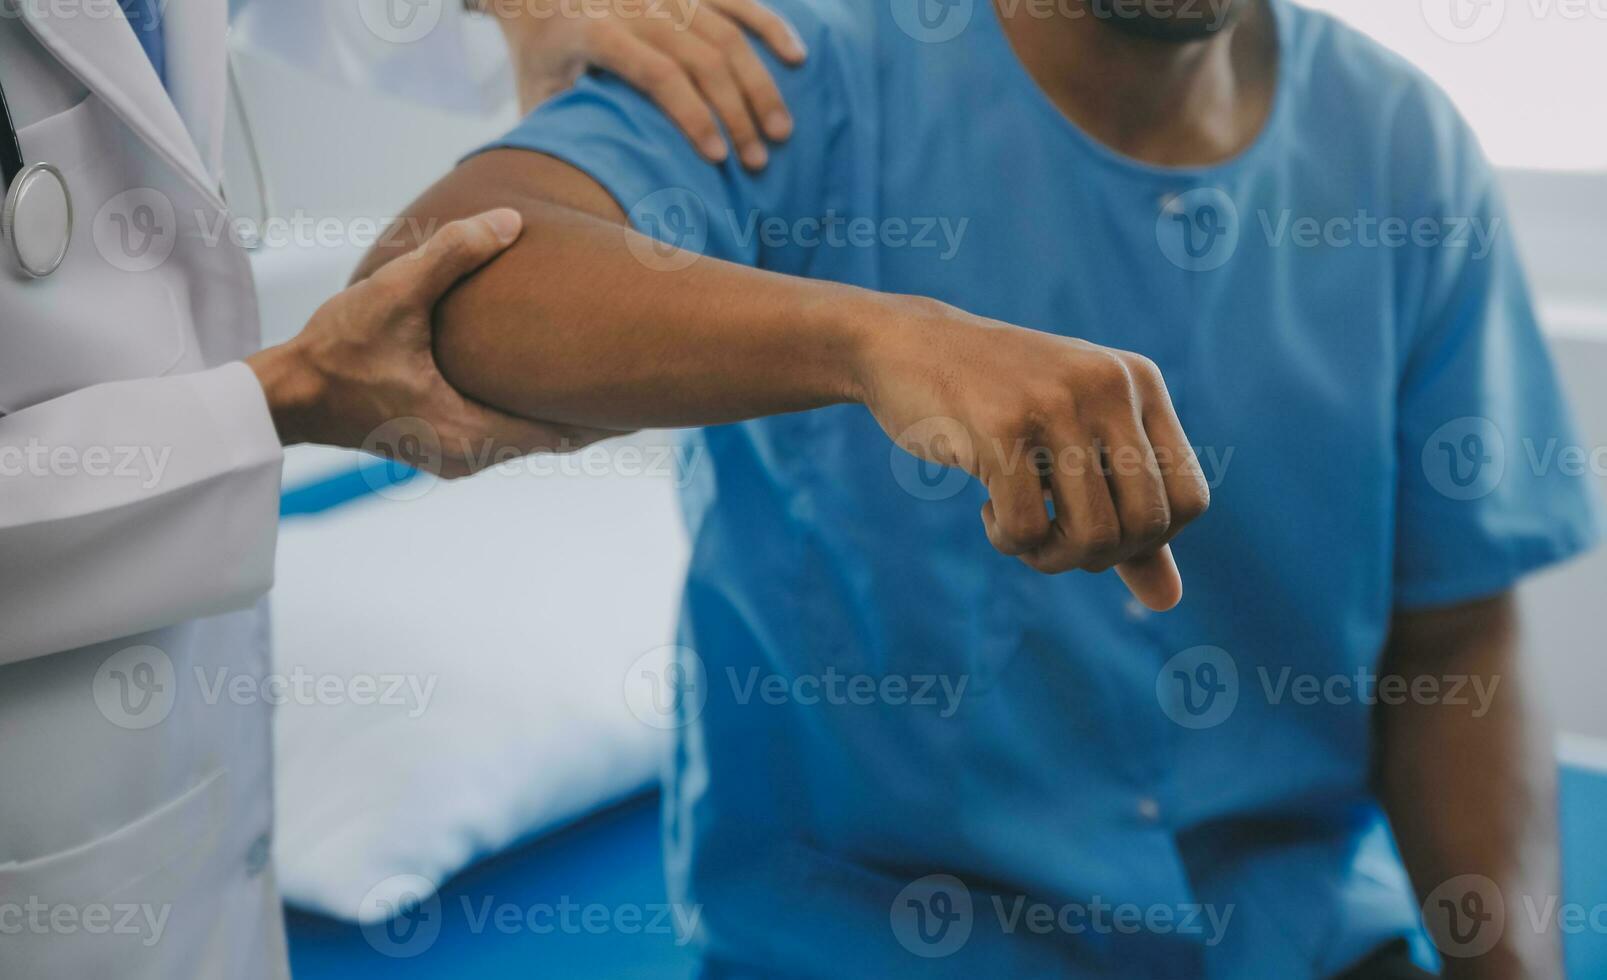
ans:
x=1468 y=778
x=576 y=326
x=571 y=325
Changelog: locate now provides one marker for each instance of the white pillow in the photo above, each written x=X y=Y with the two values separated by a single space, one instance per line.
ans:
x=453 y=668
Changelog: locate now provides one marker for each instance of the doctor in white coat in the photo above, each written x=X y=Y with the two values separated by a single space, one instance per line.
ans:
x=140 y=450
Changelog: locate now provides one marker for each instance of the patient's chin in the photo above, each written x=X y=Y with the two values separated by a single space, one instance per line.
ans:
x=1161 y=20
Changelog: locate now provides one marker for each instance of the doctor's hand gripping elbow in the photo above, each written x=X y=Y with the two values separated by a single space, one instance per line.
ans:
x=366 y=360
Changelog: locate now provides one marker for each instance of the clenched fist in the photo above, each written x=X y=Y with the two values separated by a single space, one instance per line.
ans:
x=1084 y=460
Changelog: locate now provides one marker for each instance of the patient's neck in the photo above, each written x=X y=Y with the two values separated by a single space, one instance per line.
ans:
x=1168 y=103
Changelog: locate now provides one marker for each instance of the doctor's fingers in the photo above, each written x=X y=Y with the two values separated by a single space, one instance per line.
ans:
x=770 y=27
x=697 y=71
x=661 y=78
x=484 y=438
x=710 y=70
x=752 y=78
x=458 y=248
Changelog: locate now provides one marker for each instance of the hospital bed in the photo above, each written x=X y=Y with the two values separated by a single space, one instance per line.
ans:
x=610 y=858
x=613 y=858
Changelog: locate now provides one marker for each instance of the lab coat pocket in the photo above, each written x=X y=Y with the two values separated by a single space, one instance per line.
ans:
x=102 y=908
x=116 y=308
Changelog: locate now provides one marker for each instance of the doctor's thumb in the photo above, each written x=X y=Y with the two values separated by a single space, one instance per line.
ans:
x=454 y=251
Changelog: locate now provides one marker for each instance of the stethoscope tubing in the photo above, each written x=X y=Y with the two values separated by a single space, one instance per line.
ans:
x=10 y=146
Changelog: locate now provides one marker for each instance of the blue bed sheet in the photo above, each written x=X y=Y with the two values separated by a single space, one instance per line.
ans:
x=1584 y=866
x=613 y=860
x=610 y=860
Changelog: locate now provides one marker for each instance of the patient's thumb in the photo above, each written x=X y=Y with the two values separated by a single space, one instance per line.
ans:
x=1154 y=579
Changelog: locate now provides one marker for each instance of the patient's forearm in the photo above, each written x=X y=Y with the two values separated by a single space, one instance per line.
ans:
x=583 y=321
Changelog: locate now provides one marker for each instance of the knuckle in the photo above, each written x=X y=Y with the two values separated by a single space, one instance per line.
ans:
x=1145 y=372
x=705 y=63
x=1153 y=524
x=1106 y=379
x=766 y=99
x=1098 y=543
x=722 y=33
x=1021 y=535
x=1191 y=505
x=658 y=73
x=1032 y=414
x=603 y=36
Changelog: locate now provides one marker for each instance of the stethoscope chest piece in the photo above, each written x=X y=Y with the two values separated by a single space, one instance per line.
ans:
x=37 y=221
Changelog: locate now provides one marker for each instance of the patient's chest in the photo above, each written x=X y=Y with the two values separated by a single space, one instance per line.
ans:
x=1281 y=356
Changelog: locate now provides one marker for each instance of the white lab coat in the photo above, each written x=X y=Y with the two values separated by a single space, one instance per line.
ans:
x=135 y=789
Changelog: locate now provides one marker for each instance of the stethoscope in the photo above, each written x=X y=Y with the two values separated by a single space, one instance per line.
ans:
x=36 y=223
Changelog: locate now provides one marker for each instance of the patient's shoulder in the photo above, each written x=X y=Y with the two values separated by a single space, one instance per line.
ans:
x=1381 y=100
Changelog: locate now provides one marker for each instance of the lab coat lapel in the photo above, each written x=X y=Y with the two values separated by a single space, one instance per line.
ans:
x=197 y=73
x=94 y=40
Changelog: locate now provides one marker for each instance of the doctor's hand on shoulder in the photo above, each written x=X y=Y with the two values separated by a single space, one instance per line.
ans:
x=695 y=60
x=365 y=361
